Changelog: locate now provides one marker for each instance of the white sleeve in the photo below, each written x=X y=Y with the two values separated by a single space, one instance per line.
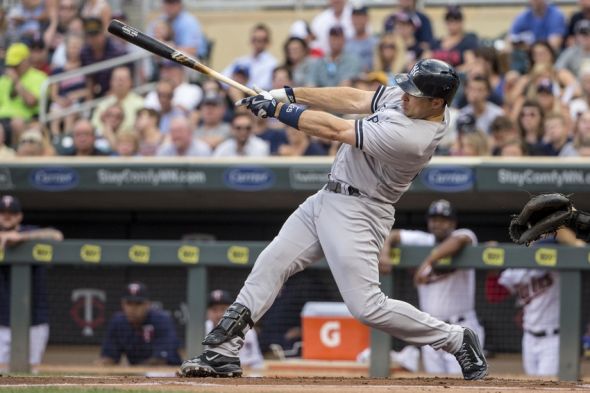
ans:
x=416 y=238
x=466 y=232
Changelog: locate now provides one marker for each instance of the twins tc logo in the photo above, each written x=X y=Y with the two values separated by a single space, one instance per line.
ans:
x=88 y=309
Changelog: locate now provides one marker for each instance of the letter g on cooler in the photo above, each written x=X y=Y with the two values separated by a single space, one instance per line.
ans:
x=330 y=334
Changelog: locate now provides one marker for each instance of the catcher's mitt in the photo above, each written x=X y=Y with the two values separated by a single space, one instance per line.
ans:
x=542 y=215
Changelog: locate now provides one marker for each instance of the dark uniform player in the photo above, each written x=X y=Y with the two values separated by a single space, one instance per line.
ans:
x=144 y=334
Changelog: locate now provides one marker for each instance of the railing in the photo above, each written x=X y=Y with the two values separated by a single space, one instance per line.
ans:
x=198 y=256
x=44 y=116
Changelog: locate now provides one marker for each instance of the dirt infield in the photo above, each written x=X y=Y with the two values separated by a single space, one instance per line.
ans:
x=291 y=385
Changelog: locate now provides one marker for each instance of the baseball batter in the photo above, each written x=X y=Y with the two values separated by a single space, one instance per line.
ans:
x=348 y=220
x=445 y=294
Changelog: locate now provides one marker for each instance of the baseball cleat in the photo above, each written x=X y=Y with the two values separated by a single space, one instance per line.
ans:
x=471 y=358
x=211 y=364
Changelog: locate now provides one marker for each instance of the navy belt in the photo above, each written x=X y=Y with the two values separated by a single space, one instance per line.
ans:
x=543 y=333
x=459 y=320
x=341 y=188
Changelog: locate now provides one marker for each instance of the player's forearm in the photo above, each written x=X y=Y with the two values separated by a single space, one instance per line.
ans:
x=335 y=99
x=447 y=248
x=43 y=234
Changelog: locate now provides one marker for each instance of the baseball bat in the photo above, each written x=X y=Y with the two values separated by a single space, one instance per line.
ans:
x=136 y=37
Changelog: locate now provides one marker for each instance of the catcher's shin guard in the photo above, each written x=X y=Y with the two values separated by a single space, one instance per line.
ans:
x=233 y=323
x=580 y=223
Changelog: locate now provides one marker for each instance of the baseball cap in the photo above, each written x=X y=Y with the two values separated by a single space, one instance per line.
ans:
x=441 y=208
x=454 y=13
x=16 y=54
x=336 y=30
x=545 y=86
x=582 y=27
x=135 y=292
x=242 y=69
x=212 y=98
x=408 y=17
x=10 y=204
x=92 y=26
x=466 y=123
x=219 y=296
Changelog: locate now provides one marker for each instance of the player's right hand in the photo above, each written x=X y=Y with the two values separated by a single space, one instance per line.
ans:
x=286 y=95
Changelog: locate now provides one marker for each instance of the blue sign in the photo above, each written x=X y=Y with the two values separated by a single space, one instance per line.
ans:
x=448 y=179
x=249 y=178
x=54 y=179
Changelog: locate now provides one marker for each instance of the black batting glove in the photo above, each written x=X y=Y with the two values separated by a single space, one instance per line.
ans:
x=262 y=105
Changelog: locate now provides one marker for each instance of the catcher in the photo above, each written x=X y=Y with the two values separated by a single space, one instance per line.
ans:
x=545 y=214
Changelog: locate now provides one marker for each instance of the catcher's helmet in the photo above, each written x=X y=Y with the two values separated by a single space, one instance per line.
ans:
x=430 y=78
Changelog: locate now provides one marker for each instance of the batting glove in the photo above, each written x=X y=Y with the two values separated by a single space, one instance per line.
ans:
x=262 y=105
x=286 y=95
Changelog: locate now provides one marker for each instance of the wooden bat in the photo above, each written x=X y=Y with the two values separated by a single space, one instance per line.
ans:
x=136 y=37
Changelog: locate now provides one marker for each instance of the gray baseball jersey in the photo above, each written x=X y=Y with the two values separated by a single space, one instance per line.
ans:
x=390 y=150
x=349 y=230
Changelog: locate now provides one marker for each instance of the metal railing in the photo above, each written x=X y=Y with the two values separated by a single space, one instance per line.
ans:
x=44 y=116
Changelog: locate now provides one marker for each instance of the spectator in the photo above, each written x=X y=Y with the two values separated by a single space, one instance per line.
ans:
x=98 y=47
x=213 y=130
x=99 y=9
x=13 y=233
x=577 y=54
x=182 y=143
x=240 y=74
x=405 y=27
x=457 y=47
x=27 y=19
x=120 y=93
x=111 y=123
x=503 y=131
x=162 y=32
x=260 y=62
x=336 y=69
x=39 y=56
x=84 y=141
x=581 y=104
x=362 y=43
x=477 y=91
x=275 y=137
x=297 y=60
x=20 y=88
x=145 y=335
x=582 y=130
x=513 y=148
x=188 y=35
x=126 y=144
x=300 y=144
x=250 y=355
x=435 y=286
x=582 y=13
x=242 y=141
x=539 y=22
x=150 y=137
x=338 y=13
x=530 y=125
x=31 y=143
x=546 y=90
x=492 y=64
x=165 y=93
x=388 y=57
x=556 y=138
x=186 y=96
x=59 y=26
x=69 y=92
x=5 y=151
x=423 y=28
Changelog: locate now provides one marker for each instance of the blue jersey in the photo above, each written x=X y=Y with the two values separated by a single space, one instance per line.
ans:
x=155 y=338
x=39 y=305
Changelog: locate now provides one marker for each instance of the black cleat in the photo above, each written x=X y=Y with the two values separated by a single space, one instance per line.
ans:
x=211 y=364
x=471 y=358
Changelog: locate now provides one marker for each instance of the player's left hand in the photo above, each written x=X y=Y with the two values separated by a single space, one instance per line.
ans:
x=262 y=105
x=422 y=274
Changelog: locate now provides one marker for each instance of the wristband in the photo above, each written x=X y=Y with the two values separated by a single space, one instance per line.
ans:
x=290 y=93
x=290 y=114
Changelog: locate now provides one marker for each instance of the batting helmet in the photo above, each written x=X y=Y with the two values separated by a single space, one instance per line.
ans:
x=430 y=78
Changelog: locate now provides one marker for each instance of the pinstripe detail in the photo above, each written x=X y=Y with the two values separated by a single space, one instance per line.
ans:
x=359 y=133
x=376 y=98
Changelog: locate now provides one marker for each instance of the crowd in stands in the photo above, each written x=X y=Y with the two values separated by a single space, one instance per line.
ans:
x=525 y=92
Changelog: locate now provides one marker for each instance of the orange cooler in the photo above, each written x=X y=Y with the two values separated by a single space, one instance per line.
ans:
x=331 y=333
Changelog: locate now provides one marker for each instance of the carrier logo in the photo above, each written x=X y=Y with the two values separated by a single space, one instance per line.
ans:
x=249 y=178
x=448 y=179
x=54 y=179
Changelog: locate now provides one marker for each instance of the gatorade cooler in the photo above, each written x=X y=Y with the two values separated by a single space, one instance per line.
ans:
x=331 y=333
